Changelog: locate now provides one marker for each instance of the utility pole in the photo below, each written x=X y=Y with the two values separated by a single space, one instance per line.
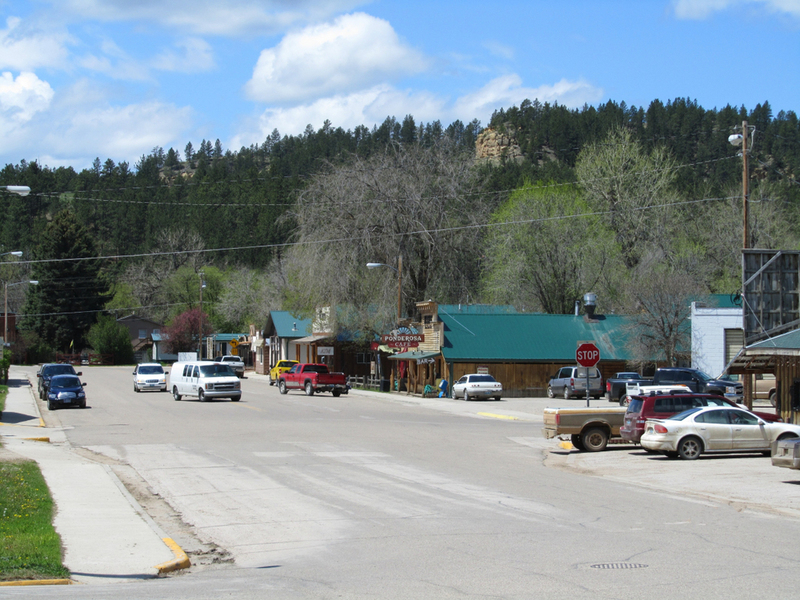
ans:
x=745 y=185
x=399 y=287
x=200 y=337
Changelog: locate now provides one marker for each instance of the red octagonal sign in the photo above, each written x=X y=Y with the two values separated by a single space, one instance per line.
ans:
x=587 y=355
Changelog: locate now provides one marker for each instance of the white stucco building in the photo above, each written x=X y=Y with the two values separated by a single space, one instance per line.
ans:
x=717 y=336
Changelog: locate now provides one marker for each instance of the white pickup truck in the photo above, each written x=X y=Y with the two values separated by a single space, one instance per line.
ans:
x=234 y=362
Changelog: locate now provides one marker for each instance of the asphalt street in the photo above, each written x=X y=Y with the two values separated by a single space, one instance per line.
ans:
x=375 y=495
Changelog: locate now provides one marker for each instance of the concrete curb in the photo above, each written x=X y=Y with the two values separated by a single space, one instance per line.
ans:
x=27 y=582
x=181 y=560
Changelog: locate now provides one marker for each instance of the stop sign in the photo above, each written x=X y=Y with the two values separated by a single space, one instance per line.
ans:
x=587 y=355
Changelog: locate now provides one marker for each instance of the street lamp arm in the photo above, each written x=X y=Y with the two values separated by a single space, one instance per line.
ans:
x=374 y=265
x=20 y=190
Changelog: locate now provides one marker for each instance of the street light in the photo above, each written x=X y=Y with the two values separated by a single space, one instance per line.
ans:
x=200 y=340
x=7 y=285
x=20 y=190
x=14 y=253
x=399 y=271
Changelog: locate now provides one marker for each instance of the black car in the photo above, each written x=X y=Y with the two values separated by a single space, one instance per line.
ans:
x=47 y=371
x=65 y=390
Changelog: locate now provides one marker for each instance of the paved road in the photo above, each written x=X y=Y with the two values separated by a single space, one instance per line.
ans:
x=369 y=496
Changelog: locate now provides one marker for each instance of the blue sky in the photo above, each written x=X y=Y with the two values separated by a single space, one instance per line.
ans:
x=81 y=79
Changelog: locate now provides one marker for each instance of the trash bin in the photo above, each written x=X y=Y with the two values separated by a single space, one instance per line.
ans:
x=385 y=385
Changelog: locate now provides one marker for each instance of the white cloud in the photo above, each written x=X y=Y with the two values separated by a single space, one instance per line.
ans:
x=229 y=18
x=353 y=53
x=371 y=107
x=499 y=49
x=25 y=49
x=507 y=90
x=194 y=55
x=23 y=97
x=114 y=62
x=702 y=9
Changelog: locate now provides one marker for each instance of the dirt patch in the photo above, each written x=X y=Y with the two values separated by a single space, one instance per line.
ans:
x=203 y=554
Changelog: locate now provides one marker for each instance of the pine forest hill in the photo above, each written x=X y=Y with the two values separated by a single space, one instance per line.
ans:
x=544 y=204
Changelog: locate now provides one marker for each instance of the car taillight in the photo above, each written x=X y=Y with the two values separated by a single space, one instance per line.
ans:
x=571 y=382
x=558 y=419
x=658 y=428
x=608 y=386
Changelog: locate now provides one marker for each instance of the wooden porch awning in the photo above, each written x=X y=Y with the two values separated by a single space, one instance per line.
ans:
x=417 y=355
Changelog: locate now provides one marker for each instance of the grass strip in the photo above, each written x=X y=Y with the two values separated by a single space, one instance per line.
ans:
x=30 y=548
x=3 y=394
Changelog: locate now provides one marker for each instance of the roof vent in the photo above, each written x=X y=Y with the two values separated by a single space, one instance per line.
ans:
x=590 y=303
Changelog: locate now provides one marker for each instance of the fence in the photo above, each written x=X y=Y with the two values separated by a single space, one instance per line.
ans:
x=369 y=382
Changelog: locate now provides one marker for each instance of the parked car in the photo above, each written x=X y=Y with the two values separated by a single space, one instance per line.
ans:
x=65 y=390
x=47 y=371
x=714 y=429
x=149 y=376
x=571 y=382
x=282 y=366
x=664 y=406
x=477 y=385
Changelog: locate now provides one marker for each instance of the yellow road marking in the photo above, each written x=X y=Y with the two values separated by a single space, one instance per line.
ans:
x=495 y=416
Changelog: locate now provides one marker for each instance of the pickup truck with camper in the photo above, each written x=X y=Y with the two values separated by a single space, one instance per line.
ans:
x=616 y=386
x=234 y=362
x=696 y=381
x=312 y=378
x=589 y=429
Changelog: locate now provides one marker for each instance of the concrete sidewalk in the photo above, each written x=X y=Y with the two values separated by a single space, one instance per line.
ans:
x=106 y=534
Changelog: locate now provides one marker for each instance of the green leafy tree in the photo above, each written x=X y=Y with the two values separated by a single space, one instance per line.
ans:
x=109 y=337
x=546 y=251
x=71 y=290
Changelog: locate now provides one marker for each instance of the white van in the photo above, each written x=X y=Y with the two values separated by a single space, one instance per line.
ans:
x=205 y=380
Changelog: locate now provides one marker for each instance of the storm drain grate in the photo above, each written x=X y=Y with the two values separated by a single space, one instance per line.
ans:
x=619 y=565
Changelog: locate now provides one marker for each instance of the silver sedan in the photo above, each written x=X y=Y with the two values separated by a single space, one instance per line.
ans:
x=713 y=429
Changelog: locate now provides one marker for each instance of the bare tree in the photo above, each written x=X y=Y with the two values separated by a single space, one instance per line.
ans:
x=418 y=203
x=148 y=278
x=660 y=307
x=626 y=184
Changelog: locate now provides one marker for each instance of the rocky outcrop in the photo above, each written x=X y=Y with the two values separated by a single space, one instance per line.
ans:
x=493 y=145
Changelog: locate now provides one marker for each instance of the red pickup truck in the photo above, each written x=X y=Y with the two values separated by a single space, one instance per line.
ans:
x=312 y=377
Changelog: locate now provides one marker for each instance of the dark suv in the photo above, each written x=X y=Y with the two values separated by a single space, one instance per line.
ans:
x=664 y=406
x=47 y=371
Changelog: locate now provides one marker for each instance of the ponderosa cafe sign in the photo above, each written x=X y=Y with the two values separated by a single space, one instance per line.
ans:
x=403 y=340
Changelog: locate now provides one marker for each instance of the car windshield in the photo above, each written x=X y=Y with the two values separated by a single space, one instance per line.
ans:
x=219 y=370
x=60 y=369
x=150 y=370
x=681 y=416
x=482 y=379
x=705 y=376
x=65 y=381
x=629 y=376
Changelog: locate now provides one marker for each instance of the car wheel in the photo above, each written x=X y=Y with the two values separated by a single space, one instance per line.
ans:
x=175 y=393
x=271 y=382
x=83 y=404
x=453 y=394
x=577 y=442
x=135 y=389
x=282 y=387
x=566 y=392
x=690 y=448
x=201 y=396
x=671 y=454
x=594 y=439
x=773 y=399
x=625 y=401
x=235 y=398
x=467 y=397
x=787 y=436
x=497 y=398
x=309 y=389
x=336 y=393
x=51 y=405
x=550 y=393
